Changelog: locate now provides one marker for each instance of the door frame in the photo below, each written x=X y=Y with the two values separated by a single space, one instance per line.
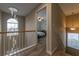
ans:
x=37 y=11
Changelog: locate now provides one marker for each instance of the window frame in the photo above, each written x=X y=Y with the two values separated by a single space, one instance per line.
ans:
x=12 y=23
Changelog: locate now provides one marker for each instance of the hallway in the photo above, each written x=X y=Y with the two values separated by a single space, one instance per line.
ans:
x=19 y=32
x=39 y=50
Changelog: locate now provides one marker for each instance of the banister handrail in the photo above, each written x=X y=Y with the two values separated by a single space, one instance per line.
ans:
x=17 y=31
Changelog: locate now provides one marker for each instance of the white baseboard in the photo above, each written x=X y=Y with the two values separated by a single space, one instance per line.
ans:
x=54 y=50
x=21 y=50
x=51 y=52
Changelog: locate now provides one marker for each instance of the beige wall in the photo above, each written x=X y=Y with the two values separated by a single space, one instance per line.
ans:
x=30 y=24
x=58 y=27
x=55 y=27
x=0 y=34
x=75 y=20
x=30 y=21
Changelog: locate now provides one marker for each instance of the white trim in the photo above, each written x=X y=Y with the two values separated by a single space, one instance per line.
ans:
x=21 y=50
x=54 y=50
x=41 y=7
x=51 y=52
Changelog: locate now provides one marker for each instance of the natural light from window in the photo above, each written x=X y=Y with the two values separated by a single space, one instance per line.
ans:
x=73 y=40
x=12 y=26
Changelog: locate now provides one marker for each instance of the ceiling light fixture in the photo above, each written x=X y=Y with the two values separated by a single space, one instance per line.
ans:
x=13 y=11
x=40 y=18
x=72 y=26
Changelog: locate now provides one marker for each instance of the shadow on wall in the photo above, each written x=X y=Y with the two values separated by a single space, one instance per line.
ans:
x=60 y=45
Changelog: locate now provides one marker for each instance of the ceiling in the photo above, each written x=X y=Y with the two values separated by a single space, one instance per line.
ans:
x=23 y=8
x=68 y=8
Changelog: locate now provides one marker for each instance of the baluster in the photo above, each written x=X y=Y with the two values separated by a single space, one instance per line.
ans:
x=8 y=42
x=25 y=41
x=15 y=43
x=22 y=39
x=0 y=45
x=4 y=43
x=11 y=44
x=19 y=43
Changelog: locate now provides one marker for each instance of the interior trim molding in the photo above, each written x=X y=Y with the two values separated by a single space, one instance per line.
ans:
x=49 y=52
x=22 y=50
x=52 y=52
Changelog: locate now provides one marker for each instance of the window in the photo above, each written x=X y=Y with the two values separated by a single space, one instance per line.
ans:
x=12 y=25
x=73 y=40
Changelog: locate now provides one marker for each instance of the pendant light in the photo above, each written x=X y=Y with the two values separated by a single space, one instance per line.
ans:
x=13 y=11
x=72 y=26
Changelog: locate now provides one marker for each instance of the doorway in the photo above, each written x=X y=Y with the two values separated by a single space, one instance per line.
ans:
x=41 y=28
x=72 y=42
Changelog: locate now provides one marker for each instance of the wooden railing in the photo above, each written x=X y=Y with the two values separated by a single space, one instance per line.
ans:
x=17 y=31
x=12 y=43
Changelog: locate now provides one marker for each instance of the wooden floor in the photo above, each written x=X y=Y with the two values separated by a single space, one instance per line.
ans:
x=40 y=50
x=61 y=53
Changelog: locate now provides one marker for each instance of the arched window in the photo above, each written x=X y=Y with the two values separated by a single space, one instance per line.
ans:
x=12 y=25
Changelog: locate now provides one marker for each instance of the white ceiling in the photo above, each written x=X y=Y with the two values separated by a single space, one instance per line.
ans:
x=68 y=8
x=23 y=8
